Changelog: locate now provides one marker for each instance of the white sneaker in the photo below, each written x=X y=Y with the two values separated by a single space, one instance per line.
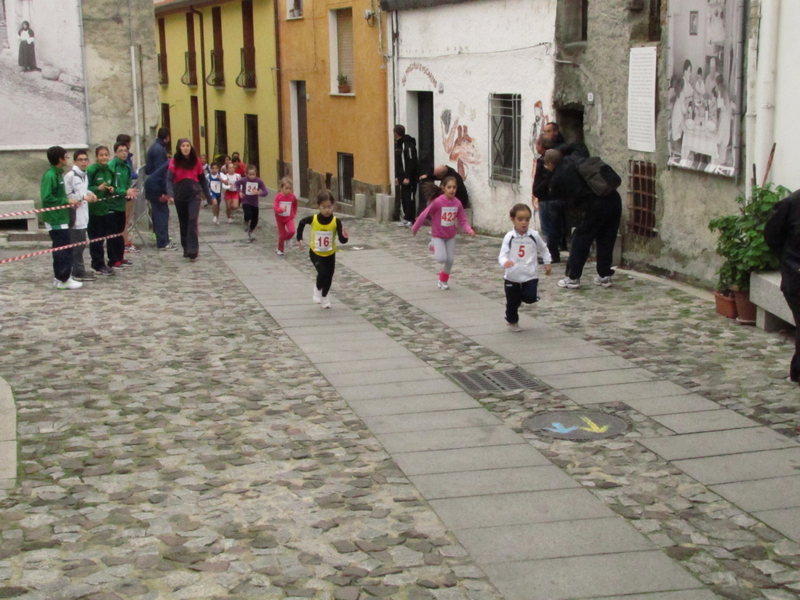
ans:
x=230 y=221
x=514 y=327
x=571 y=284
x=317 y=295
x=55 y=282
x=443 y=285
x=604 y=281
x=250 y=236
x=216 y=221
x=279 y=252
x=325 y=303
x=69 y=284
x=404 y=223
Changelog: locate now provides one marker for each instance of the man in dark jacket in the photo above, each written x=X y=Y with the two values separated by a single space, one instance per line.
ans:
x=782 y=234
x=441 y=172
x=551 y=210
x=405 y=173
x=157 y=153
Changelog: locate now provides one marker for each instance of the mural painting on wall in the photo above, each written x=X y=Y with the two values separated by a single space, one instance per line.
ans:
x=459 y=145
x=705 y=96
x=537 y=129
x=41 y=74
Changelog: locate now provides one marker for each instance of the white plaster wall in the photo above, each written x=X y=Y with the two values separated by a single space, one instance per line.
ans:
x=470 y=51
x=785 y=169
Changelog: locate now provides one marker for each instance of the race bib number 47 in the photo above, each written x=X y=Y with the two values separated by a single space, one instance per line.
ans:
x=449 y=214
x=323 y=241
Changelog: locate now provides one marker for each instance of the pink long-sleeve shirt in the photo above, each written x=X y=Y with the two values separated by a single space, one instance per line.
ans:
x=285 y=206
x=443 y=213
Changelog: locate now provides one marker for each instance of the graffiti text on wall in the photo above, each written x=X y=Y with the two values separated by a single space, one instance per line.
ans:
x=415 y=66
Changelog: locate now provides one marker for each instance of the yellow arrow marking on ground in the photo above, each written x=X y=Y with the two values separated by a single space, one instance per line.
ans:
x=592 y=426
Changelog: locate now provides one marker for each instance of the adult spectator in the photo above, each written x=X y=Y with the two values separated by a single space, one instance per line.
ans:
x=551 y=209
x=27 y=48
x=405 y=173
x=439 y=172
x=157 y=153
x=599 y=222
x=155 y=190
x=782 y=234
x=186 y=184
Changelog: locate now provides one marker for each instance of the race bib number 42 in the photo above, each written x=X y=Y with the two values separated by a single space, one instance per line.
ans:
x=286 y=209
x=449 y=214
x=323 y=241
x=251 y=188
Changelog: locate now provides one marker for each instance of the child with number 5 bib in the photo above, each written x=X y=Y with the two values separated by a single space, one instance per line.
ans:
x=325 y=228
x=519 y=256
x=444 y=211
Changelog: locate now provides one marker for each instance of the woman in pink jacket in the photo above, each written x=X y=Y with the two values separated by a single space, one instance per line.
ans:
x=444 y=211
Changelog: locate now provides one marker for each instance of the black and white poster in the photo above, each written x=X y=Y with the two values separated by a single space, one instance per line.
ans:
x=705 y=95
x=43 y=99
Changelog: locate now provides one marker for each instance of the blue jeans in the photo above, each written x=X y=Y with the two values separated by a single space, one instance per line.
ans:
x=551 y=215
x=160 y=213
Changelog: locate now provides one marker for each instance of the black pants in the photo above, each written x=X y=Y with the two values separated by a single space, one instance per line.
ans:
x=551 y=215
x=98 y=227
x=793 y=300
x=408 y=197
x=600 y=223
x=62 y=260
x=115 y=246
x=516 y=294
x=325 y=266
x=250 y=215
x=188 y=213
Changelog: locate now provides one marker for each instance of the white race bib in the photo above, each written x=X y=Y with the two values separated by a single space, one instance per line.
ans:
x=449 y=214
x=216 y=187
x=251 y=188
x=286 y=209
x=522 y=251
x=323 y=241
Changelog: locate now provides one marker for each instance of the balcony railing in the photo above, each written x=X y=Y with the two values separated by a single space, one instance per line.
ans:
x=190 y=76
x=163 y=76
x=216 y=77
x=247 y=77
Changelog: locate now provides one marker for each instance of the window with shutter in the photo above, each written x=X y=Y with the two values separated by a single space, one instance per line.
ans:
x=341 y=49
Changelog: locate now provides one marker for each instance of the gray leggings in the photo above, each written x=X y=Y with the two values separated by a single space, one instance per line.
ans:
x=444 y=251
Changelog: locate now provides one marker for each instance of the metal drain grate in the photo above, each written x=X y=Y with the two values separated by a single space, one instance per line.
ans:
x=496 y=381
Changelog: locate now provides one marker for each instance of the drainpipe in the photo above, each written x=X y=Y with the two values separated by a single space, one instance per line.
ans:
x=765 y=87
x=134 y=91
x=85 y=74
x=280 y=89
x=205 y=83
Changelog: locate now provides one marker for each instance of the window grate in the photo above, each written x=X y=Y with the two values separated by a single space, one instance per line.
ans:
x=496 y=381
x=505 y=116
x=642 y=198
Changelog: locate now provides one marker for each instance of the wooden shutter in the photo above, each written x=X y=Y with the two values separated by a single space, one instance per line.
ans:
x=344 y=37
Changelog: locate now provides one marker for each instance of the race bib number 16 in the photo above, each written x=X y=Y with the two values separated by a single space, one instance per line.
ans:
x=323 y=241
x=449 y=216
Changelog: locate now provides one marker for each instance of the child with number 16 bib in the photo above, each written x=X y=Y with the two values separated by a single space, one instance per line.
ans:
x=444 y=211
x=519 y=256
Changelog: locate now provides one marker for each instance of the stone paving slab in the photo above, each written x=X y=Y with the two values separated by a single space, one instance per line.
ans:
x=399 y=388
x=672 y=404
x=579 y=365
x=492 y=481
x=418 y=422
x=375 y=377
x=334 y=355
x=589 y=576
x=346 y=345
x=682 y=595
x=369 y=365
x=306 y=329
x=595 y=378
x=745 y=467
x=519 y=508
x=405 y=405
x=536 y=541
x=733 y=442
x=536 y=354
x=710 y=420
x=762 y=494
x=786 y=520
x=444 y=439
x=625 y=391
x=470 y=459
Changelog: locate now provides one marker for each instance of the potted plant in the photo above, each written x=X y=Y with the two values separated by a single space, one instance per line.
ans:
x=741 y=243
x=344 y=85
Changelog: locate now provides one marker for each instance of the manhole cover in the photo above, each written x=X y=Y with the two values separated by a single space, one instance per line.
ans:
x=577 y=425
x=496 y=381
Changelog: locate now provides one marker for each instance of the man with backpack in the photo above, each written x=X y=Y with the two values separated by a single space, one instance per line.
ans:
x=591 y=185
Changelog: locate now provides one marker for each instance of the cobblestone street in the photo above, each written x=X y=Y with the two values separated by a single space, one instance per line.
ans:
x=196 y=431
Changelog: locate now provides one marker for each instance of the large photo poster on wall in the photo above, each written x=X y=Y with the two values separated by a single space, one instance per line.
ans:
x=704 y=62
x=42 y=92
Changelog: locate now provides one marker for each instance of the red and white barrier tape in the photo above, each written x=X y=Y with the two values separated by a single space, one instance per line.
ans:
x=49 y=250
x=41 y=210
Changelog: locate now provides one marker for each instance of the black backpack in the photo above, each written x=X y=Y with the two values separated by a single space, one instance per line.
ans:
x=601 y=178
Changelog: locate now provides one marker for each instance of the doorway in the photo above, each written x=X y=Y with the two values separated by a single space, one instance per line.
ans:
x=420 y=126
x=299 y=137
x=570 y=122
x=251 y=156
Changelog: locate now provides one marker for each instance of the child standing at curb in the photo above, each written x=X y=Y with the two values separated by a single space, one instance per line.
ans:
x=124 y=192
x=231 y=193
x=444 y=212
x=251 y=189
x=57 y=221
x=76 y=185
x=285 y=210
x=101 y=184
x=519 y=256
x=323 y=244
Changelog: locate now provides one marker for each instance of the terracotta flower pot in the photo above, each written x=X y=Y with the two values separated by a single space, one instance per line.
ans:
x=726 y=305
x=745 y=308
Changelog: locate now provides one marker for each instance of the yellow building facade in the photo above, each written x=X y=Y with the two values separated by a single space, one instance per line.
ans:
x=333 y=81
x=218 y=75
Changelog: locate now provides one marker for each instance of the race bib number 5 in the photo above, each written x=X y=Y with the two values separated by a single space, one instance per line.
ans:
x=323 y=241
x=449 y=214
x=522 y=251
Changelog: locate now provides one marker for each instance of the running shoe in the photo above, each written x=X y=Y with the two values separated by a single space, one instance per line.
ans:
x=317 y=297
x=570 y=284
x=514 y=327
x=131 y=248
x=69 y=284
x=603 y=281
x=443 y=285
x=279 y=252
x=84 y=277
x=325 y=303
x=230 y=221
x=216 y=220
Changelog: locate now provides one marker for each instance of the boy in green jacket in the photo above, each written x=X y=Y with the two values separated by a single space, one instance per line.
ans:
x=57 y=221
x=101 y=184
x=124 y=192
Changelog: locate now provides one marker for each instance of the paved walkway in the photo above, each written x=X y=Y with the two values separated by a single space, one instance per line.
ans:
x=697 y=501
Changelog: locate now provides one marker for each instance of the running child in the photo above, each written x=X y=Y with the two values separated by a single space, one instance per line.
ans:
x=285 y=210
x=444 y=211
x=215 y=188
x=251 y=190
x=230 y=193
x=519 y=256
x=322 y=249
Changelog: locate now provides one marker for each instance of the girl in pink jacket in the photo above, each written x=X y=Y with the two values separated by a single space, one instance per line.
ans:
x=444 y=211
